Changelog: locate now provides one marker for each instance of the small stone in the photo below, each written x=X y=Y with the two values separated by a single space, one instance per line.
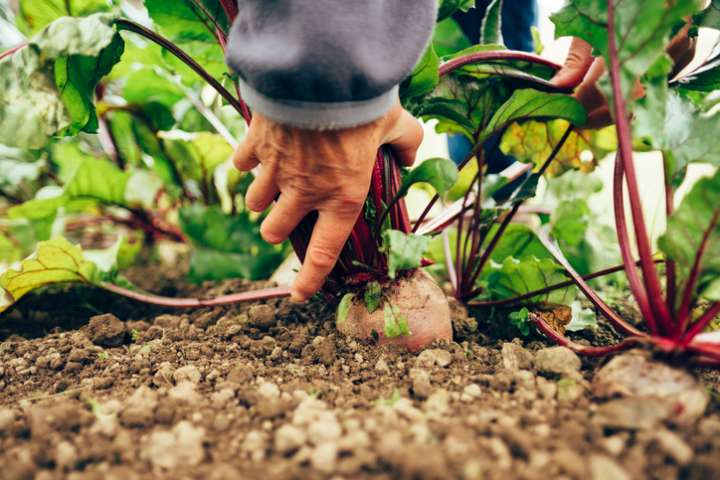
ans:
x=185 y=392
x=434 y=356
x=547 y=388
x=139 y=410
x=633 y=413
x=164 y=375
x=515 y=357
x=382 y=366
x=289 y=438
x=570 y=390
x=254 y=445
x=241 y=374
x=262 y=316
x=325 y=430
x=106 y=330
x=189 y=373
x=438 y=403
x=324 y=457
x=614 y=444
x=222 y=397
x=268 y=390
x=571 y=462
x=7 y=420
x=605 y=468
x=633 y=374
x=420 y=383
x=66 y=456
x=181 y=447
x=558 y=361
x=471 y=392
x=325 y=350
x=674 y=447
x=168 y=321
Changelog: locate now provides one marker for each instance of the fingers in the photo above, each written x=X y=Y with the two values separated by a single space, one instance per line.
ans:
x=405 y=138
x=262 y=191
x=576 y=65
x=283 y=218
x=244 y=157
x=328 y=238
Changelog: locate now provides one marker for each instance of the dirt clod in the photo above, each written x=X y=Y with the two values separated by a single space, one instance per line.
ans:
x=106 y=330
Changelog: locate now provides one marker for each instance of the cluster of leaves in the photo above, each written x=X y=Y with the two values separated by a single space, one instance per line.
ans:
x=106 y=134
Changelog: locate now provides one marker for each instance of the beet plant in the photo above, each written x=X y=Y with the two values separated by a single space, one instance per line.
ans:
x=678 y=298
x=117 y=126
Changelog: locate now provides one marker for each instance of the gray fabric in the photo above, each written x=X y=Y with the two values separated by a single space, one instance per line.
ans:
x=327 y=63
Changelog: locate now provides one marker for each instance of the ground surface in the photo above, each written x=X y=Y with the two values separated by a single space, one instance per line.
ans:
x=274 y=392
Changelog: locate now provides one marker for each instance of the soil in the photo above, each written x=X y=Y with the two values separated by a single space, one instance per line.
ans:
x=109 y=389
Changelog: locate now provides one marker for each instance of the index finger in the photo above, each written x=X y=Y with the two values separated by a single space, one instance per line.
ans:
x=331 y=231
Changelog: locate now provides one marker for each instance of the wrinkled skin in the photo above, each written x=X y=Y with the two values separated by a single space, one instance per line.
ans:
x=419 y=299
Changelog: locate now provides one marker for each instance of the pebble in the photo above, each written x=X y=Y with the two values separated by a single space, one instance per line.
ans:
x=139 y=411
x=324 y=457
x=515 y=357
x=289 y=438
x=605 y=468
x=634 y=375
x=180 y=447
x=420 y=382
x=382 y=366
x=254 y=445
x=241 y=374
x=189 y=373
x=185 y=392
x=7 y=420
x=471 y=392
x=434 y=356
x=558 y=361
x=268 y=390
x=66 y=456
x=674 y=447
x=106 y=330
x=164 y=375
x=325 y=430
x=262 y=316
x=168 y=321
x=438 y=403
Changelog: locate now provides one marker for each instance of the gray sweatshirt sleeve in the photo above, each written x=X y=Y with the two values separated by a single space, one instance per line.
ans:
x=327 y=64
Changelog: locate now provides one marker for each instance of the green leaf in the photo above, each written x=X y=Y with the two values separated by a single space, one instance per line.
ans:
x=516 y=277
x=372 y=296
x=189 y=27
x=55 y=261
x=521 y=320
x=425 y=75
x=36 y=14
x=98 y=179
x=226 y=246
x=491 y=28
x=404 y=250
x=396 y=324
x=570 y=221
x=441 y=173
x=449 y=38
x=527 y=103
x=533 y=141
x=448 y=7
x=582 y=318
x=47 y=88
x=695 y=222
x=344 y=308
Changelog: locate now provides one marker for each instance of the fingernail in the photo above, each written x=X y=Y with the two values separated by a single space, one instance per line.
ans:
x=296 y=297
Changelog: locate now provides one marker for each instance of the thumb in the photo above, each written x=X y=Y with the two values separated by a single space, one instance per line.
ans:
x=405 y=138
x=576 y=65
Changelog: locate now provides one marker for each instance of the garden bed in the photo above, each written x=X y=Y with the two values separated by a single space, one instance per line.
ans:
x=275 y=392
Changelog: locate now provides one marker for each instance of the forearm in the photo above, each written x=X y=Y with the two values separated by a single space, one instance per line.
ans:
x=327 y=64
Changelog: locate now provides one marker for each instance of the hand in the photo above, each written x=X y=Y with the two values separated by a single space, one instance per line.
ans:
x=326 y=171
x=581 y=71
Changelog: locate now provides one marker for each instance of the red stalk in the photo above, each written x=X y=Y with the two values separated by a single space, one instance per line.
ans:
x=252 y=296
x=12 y=50
x=230 y=8
x=624 y=134
x=636 y=285
x=599 y=303
x=701 y=323
x=687 y=301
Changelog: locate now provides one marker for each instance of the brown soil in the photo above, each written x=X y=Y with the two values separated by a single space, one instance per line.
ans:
x=273 y=391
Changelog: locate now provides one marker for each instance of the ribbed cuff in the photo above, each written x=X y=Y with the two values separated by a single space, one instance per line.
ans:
x=319 y=115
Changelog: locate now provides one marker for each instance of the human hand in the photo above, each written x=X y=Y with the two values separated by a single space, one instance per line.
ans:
x=581 y=71
x=325 y=171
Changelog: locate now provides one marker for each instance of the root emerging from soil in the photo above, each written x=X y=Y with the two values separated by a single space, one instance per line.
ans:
x=418 y=299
